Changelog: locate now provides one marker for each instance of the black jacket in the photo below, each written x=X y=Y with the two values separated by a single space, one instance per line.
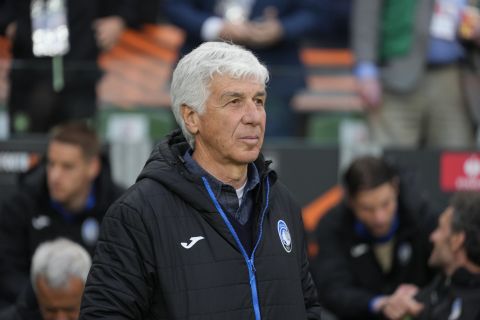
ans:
x=148 y=264
x=346 y=270
x=446 y=297
x=28 y=219
x=25 y=308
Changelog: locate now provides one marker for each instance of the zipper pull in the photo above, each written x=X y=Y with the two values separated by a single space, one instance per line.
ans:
x=252 y=266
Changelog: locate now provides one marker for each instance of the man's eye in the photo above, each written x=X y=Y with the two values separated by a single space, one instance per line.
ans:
x=259 y=102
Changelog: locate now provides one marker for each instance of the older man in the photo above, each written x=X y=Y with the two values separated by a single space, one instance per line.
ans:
x=58 y=274
x=207 y=232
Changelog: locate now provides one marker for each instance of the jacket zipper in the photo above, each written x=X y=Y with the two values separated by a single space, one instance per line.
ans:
x=249 y=261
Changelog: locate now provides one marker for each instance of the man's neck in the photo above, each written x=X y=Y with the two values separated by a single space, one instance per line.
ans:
x=78 y=204
x=74 y=207
x=231 y=174
x=472 y=268
x=461 y=261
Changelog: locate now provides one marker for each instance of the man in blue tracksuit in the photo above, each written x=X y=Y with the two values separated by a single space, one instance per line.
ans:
x=207 y=232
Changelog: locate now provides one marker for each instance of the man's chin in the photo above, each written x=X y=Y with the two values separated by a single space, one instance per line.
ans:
x=380 y=233
x=249 y=157
x=58 y=197
x=432 y=262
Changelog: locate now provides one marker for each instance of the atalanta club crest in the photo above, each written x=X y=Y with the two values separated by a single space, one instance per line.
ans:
x=90 y=231
x=284 y=235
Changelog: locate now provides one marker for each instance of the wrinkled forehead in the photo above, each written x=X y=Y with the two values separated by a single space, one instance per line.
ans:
x=222 y=86
x=219 y=77
x=236 y=75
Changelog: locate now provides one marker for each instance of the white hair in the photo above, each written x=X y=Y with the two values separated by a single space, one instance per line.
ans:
x=194 y=72
x=59 y=260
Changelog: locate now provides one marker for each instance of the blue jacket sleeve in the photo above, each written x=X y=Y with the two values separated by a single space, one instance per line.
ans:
x=183 y=14
x=297 y=17
x=303 y=19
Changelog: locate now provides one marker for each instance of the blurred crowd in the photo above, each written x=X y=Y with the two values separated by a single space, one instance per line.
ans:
x=414 y=76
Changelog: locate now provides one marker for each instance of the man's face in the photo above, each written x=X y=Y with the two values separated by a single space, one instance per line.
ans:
x=376 y=208
x=231 y=129
x=69 y=172
x=443 y=252
x=60 y=304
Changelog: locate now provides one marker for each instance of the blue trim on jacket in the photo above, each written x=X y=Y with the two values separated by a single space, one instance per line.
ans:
x=248 y=260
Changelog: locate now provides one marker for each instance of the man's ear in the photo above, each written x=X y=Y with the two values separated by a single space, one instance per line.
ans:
x=95 y=165
x=190 y=118
x=457 y=240
x=349 y=199
x=396 y=184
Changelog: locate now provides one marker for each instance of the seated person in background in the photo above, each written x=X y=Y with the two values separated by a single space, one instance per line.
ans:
x=68 y=200
x=374 y=241
x=58 y=274
x=455 y=293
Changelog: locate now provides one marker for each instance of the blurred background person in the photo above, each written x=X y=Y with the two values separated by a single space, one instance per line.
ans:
x=271 y=29
x=55 y=45
x=408 y=56
x=374 y=241
x=455 y=292
x=334 y=30
x=58 y=274
x=68 y=196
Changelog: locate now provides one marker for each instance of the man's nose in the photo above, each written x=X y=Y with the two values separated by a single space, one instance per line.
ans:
x=253 y=113
x=61 y=315
x=380 y=215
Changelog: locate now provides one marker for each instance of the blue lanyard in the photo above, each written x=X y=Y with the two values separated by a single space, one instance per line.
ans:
x=248 y=260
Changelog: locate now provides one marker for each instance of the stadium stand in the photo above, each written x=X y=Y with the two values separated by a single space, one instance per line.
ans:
x=138 y=69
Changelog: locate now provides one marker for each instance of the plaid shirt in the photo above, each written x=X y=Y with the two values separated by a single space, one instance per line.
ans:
x=226 y=194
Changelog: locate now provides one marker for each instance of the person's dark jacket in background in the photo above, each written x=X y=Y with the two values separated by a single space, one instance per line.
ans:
x=25 y=308
x=457 y=296
x=296 y=19
x=29 y=218
x=334 y=31
x=143 y=267
x=346 y=270
x=4 y=19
